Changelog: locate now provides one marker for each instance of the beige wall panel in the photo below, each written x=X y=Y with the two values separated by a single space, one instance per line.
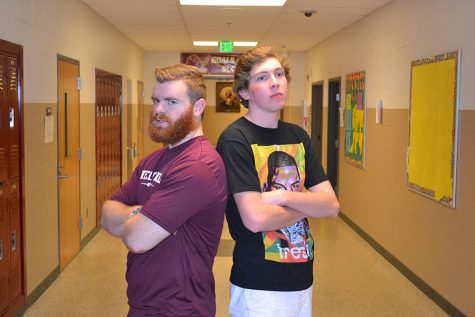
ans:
x=294 y=114
x=215 y=122
x=41 y=195
x=88 y=167
x=434 y=241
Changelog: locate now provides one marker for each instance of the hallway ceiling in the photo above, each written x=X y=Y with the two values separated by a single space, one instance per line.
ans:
x=165 y=25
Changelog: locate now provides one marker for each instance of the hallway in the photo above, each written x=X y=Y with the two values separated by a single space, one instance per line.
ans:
x=351 y=279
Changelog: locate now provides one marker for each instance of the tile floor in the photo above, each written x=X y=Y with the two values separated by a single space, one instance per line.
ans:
x=351 y=279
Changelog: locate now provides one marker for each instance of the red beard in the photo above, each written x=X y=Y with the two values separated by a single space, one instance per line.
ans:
x=176 y=130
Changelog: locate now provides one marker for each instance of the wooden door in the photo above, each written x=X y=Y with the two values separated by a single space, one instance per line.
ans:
x=140 y=121
x=68 y=160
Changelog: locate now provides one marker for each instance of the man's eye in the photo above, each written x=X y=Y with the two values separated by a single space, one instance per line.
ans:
x=260 y=78
x=171 y=102
x=279 y=74
x=278 y=187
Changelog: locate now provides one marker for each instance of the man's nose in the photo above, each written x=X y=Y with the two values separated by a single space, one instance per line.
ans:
x=274 y=82
x=159 y=108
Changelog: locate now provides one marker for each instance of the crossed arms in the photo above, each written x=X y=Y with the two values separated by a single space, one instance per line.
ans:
x=138 y=232
x=278 y=209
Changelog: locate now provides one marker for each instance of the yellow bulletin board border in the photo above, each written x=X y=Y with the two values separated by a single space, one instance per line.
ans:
x=433 y=127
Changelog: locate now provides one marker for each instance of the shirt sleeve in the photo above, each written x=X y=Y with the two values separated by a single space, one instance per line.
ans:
x=127 y=194
x=239 y=162
x=188 y=189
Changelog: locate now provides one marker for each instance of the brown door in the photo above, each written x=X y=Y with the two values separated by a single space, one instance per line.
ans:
x=140 y=120
x=12 y=283
x=68 y=160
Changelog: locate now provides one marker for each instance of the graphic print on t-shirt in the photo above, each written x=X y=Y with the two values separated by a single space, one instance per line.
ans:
x=282 y=167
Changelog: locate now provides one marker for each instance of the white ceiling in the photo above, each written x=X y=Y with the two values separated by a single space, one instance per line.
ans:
x=165 y=25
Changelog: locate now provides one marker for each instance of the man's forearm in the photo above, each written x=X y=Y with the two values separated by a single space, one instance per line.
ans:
x=258 y=216
x=315 y=205
x=114 y=216
x=320 y=201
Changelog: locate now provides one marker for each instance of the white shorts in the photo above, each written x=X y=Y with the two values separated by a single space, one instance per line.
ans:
x=256 y=303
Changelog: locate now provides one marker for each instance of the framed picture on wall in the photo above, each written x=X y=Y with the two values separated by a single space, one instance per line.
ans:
x=226 y=99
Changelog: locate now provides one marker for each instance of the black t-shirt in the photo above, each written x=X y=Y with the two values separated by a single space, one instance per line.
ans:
x=262 y=159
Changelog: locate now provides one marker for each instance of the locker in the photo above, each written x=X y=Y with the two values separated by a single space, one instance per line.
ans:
x=13 y=117
x=4 y=252
x=15 y=238
x=108 y=136
x=11 y=227
x=3 y=120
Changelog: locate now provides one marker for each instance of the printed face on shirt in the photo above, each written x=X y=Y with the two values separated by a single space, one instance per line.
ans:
x=267 y=87
x=283 y=173
x=286 y=178
x=172 y=116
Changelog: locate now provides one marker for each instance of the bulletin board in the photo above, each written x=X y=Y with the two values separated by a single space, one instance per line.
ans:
x=433 y=126
x=355 y=116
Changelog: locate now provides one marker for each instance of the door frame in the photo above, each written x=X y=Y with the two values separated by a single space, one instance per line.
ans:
x=317 y=116
x=333 y=137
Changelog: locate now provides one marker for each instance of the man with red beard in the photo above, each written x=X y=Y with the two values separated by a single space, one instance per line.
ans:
x=170 y=213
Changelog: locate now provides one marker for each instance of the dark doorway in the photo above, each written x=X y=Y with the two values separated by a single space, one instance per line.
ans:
x=333 y=131
x=317 y=108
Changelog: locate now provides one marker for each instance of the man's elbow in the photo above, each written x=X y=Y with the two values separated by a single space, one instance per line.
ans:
x=335 y=208
x=253 y=225
x=133 y=245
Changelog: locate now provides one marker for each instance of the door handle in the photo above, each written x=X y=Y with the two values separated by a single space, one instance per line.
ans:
x=14 y=240
x=62 y=176
x=11 y=117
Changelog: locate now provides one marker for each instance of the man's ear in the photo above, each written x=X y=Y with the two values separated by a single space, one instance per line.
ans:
x=244 y=93
x=199 y=107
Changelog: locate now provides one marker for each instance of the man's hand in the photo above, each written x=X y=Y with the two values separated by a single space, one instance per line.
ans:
x=275 y=197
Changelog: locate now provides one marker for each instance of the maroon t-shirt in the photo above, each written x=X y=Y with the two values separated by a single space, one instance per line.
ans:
x=184 y=191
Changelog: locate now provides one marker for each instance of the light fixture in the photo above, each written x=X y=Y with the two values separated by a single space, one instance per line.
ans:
x=245 y=43
x=205 y=43
x=238 y=3
x=216 y=43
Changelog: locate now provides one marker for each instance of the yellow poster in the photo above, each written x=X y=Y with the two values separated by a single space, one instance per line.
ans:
x=433 y=127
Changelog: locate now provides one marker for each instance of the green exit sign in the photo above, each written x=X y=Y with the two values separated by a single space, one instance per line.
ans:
x=226 y=47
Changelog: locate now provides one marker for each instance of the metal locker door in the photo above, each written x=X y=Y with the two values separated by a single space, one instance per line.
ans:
x=13 y=118
x=4 y=249
x=3 y=121
x=15 y=246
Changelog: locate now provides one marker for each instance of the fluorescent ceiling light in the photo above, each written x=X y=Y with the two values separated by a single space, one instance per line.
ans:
x=238 y=3
x=245 y=43
x=205 y=43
